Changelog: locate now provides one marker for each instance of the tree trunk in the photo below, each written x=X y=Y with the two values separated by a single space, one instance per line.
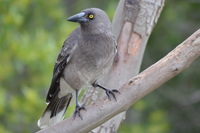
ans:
x=132 y=26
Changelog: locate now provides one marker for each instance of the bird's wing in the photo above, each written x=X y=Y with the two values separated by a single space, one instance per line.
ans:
x=63 y=58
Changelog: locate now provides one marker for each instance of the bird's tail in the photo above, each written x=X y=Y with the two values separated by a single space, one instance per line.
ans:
x=55 y=111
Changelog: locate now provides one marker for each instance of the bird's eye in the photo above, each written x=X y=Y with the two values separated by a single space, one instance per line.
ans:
x=90 y=16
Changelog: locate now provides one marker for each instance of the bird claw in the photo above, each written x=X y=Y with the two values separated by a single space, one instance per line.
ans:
x=110 y=93
x=77 y=111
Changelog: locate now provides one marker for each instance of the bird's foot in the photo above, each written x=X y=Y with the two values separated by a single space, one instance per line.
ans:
x=111 y=93
x=77 y=111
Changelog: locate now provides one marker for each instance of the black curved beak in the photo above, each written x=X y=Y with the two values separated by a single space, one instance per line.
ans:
x=80 y=17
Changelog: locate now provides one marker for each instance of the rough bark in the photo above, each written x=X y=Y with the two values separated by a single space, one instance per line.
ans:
x=137 y=87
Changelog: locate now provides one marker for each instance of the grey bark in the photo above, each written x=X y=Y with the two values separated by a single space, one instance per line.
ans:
x=134 y=89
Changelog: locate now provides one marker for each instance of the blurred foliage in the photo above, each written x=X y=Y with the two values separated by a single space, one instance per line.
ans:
x=31 y=34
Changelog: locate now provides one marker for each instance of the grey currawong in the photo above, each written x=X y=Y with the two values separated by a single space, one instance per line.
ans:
x=86 y=55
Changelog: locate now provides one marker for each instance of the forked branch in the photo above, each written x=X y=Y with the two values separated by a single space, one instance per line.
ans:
x=137 y=87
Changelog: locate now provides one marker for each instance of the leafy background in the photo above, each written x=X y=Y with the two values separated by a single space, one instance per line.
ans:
x=31 y=34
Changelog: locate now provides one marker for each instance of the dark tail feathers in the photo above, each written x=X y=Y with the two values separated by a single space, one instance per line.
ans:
x=55 y=110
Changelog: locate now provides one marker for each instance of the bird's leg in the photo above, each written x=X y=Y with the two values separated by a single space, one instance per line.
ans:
x=78 y=108
x=109 y=93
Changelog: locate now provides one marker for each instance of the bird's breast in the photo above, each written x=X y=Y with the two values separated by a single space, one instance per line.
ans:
x=90 y=60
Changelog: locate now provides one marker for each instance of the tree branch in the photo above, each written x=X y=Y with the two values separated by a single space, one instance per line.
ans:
x=137 y=87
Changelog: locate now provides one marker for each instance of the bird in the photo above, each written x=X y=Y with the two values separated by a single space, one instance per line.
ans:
x=86 y=55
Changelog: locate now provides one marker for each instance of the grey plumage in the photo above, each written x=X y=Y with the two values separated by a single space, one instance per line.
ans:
x=86 y=55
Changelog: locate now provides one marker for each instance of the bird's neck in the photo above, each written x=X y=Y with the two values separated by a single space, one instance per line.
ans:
x=96 y=30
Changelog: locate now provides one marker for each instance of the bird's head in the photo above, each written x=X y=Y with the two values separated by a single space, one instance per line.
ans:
x=92 y=19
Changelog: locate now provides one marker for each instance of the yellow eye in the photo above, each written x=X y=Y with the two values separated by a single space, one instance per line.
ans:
x=90 y=16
